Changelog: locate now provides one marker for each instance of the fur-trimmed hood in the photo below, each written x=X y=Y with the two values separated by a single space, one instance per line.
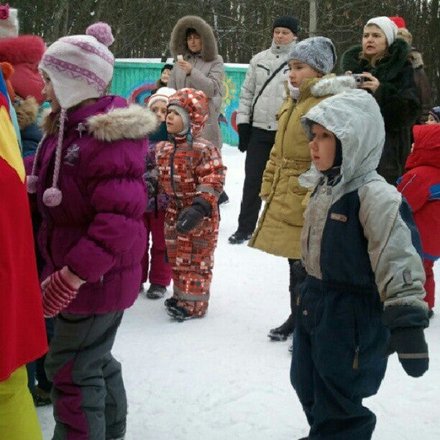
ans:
x=386 y=69
x=178 y=37
x=26 y=110
x=416 y=59
x=133 y=122
x=109 y=119
x=332 y=84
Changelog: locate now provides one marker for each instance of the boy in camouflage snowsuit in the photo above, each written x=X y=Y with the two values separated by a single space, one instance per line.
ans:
x=191 y=172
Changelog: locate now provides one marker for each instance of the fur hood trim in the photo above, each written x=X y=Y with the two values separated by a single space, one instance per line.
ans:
x=331 y=85
x=178 y=37
x=133 y=122
x=416 y=59
x=386 y=69
x=27 y=111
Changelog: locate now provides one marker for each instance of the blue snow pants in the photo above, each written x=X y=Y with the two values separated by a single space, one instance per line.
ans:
x=338 y=359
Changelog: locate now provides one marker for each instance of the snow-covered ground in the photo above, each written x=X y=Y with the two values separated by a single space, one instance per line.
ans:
x=221 y=378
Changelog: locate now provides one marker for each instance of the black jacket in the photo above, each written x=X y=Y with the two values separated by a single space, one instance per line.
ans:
x=398 y=101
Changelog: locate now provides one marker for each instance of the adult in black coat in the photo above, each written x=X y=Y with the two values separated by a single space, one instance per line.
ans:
x=388 y=75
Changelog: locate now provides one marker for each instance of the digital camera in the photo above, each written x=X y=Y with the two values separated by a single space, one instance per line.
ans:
x=359 y=78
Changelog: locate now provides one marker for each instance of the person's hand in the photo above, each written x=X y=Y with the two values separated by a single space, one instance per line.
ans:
x=370 y=82
x=191 y=216
x=244 y=135
x=59 y=289
x=411 y=348
x=185 y=66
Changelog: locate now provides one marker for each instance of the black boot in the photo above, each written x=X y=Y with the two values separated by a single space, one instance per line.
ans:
x=282 y=332
x=223 y=199
x=239 y=237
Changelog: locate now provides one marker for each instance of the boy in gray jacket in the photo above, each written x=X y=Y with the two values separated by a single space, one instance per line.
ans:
x=363 y=295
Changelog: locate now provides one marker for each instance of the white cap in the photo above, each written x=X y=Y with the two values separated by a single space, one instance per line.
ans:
x=387 y=26
x=161 y=94
x=8 y=22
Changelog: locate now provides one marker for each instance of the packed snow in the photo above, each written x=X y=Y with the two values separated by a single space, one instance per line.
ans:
x=221 y=378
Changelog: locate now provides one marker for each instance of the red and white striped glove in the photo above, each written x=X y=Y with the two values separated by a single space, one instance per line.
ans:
x=59 y=289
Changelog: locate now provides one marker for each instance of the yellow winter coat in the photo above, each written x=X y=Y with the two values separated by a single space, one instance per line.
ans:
x=279 y=226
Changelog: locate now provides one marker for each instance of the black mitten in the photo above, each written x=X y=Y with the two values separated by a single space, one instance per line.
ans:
x=191 y=216
x=244 y=135
x=412 y=349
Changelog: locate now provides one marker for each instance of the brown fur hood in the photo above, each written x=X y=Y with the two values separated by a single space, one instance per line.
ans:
x=416 y=59
x=27 y=111
x=132 y=122
x=178 y=37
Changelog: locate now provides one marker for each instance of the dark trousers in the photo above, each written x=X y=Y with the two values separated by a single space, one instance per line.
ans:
x=88 y=392
x=35 y=370
x=257 y=155
x=338 y=359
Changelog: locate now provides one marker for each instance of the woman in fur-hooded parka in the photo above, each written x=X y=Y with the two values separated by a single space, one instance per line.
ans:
x=207 y=71
x=397 y=99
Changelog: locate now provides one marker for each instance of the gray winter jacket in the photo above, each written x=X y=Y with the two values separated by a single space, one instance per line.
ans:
x=207 y=73
x=376 y=230
x=260 y=69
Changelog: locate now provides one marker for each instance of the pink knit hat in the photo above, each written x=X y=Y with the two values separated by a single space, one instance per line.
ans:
x=80 y=67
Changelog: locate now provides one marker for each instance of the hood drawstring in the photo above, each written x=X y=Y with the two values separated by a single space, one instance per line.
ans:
x=52 y=196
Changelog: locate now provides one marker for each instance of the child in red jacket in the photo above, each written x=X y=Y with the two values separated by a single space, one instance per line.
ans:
x=421 y=187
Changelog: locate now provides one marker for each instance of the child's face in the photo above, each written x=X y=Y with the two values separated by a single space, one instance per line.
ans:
x=374 y=41
x=159 y=108
x=431 y=120
x=165 y=75
x=174 y=122
x=49 y=93
x=322 y=147
x=300 y=71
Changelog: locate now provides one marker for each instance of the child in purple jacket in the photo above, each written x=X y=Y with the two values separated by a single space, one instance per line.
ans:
x=87 y=176
x=156 y=269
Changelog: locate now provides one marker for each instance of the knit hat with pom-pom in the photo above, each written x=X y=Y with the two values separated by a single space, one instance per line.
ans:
x=79 y=67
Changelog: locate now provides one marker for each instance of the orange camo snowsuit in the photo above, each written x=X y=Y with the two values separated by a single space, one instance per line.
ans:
x=188 y=170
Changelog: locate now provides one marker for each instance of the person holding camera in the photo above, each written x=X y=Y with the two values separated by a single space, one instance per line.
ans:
x=382 y=68
x=262 y=94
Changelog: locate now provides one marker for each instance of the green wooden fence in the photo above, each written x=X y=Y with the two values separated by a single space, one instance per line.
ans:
x=134 y=80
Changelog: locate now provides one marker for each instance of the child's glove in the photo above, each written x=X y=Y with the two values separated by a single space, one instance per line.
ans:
x=244 y=135
x=59 y=289
x=412 y=349
x=191 y=216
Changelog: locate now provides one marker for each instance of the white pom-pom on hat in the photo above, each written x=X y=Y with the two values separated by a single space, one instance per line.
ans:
x=102 y=32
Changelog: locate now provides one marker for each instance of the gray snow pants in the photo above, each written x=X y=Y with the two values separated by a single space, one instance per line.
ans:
x=88 y=392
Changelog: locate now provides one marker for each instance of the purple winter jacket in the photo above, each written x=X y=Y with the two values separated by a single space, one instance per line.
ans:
x=97 y=230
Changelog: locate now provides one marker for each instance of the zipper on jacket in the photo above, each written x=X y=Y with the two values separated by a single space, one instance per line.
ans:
x=173 y=183
x=356 y=343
